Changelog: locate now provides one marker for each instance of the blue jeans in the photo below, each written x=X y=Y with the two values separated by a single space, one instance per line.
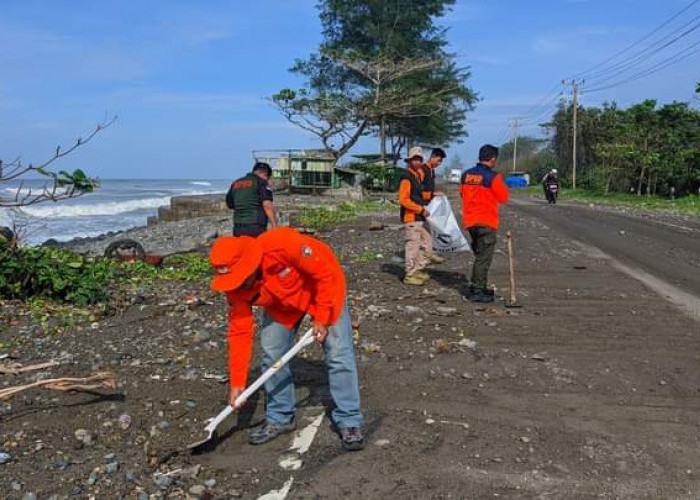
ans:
x=276 y=339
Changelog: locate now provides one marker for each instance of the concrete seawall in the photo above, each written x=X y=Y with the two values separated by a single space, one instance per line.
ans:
x=205 y=205
x=191 y=207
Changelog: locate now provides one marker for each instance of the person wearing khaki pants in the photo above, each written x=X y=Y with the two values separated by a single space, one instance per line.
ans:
x=413 y=215
x=419 y=245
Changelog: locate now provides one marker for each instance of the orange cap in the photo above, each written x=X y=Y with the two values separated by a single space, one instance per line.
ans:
x=234 y=260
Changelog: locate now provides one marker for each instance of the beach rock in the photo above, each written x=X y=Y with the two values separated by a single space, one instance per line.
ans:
x=198 y=490
x=5 y=457
x=83 y=436
x=124 y=420
x=112 y=468
x=202 y=336
x=163 y=481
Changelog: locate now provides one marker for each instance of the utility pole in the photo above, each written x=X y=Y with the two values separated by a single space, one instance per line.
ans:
x=574 y=84
x=515 y=143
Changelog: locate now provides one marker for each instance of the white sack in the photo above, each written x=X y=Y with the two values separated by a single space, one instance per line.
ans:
x=446 y=233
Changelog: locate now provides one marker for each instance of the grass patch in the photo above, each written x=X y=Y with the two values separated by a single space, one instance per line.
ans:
x=321 y=218
x=366 y=257
x=185 y=267
x=686 y=205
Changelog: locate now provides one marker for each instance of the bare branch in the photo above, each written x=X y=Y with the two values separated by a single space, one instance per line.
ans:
x=61 y=186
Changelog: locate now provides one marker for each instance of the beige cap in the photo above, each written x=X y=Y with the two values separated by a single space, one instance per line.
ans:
x=413 y=152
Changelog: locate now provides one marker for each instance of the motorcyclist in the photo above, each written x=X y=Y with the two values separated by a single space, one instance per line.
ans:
x=549 y=178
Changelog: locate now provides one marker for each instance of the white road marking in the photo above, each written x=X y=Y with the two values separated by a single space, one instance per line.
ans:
x=301 y=444
x=686 y=302
x=302 y=441
x=280 y=494
x=291 y=460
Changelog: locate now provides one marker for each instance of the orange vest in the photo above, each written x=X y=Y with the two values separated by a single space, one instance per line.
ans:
x=300 y=275
x=411 y=197
x=482 y=191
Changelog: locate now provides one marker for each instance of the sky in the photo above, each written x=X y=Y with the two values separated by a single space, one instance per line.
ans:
x=189 y=80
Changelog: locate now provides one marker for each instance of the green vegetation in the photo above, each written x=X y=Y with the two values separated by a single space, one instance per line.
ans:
x=52 y=273
x=63 y=276
x=645 y=149
x=366 y=257
x=185 y=267
x=382 y=68
x=321 y=218
x=688 y=204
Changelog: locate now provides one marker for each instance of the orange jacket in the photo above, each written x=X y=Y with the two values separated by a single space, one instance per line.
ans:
x=482 y=190
x=300 y=275
x=411 y=198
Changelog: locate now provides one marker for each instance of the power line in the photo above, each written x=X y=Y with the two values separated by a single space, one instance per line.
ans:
x=642 y=56
x=587 y=72
x=675 y=59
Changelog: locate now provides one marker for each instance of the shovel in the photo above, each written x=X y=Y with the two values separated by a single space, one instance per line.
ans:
x=210 y=429
x=513 y=303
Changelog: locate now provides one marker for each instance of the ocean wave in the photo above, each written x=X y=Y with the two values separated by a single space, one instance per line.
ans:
x=102 y=209
x=107 y=208
x=201 y=183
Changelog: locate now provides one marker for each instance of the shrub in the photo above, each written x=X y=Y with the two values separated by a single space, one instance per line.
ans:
x=184 y=267
x=53 y=273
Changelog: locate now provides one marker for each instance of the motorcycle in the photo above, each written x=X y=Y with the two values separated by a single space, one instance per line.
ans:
x=551 y=192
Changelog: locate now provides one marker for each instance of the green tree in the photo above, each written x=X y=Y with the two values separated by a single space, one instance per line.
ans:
x=381 y=68
x=645 y=149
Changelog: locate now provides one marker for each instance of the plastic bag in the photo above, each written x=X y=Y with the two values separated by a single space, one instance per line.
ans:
x=446 y=233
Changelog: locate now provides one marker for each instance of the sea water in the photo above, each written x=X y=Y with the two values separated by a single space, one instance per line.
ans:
x=118 y=204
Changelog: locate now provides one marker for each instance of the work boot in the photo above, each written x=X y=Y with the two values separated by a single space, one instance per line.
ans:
x=415 y=279
x=482 y=296
x=436 y=259
x=423 y=274
x=351 y=438
x=269 y=431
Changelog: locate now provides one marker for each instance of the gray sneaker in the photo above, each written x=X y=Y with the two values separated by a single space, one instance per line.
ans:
x=351 y=438
x=269 y=431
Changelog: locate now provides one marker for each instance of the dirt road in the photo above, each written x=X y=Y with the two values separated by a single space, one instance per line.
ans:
x=590 y=390
x=665 y=246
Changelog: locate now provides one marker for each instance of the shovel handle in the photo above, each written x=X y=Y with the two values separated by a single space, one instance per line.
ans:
x=511 y=267
x=305 y=340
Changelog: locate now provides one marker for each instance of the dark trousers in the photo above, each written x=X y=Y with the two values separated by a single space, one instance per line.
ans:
x=252 y=230
x=483 y=245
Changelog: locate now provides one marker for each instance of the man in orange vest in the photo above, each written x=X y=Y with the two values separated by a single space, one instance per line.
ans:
x=419 y=243
x=437 y=156
x=288 y=275
x=482 y=191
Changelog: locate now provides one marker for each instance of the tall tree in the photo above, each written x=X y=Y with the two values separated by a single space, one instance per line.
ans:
x=381 y=67
x=644 y=149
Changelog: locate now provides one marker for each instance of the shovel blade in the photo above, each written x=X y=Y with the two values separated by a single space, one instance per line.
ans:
x=201 y=442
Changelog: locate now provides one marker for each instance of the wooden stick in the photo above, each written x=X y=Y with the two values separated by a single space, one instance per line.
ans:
x=100 y=380
x=509 y=235
x=16 y=370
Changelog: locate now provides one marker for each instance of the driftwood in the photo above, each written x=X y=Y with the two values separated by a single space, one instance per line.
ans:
x=100 y=380
x=18 y=369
